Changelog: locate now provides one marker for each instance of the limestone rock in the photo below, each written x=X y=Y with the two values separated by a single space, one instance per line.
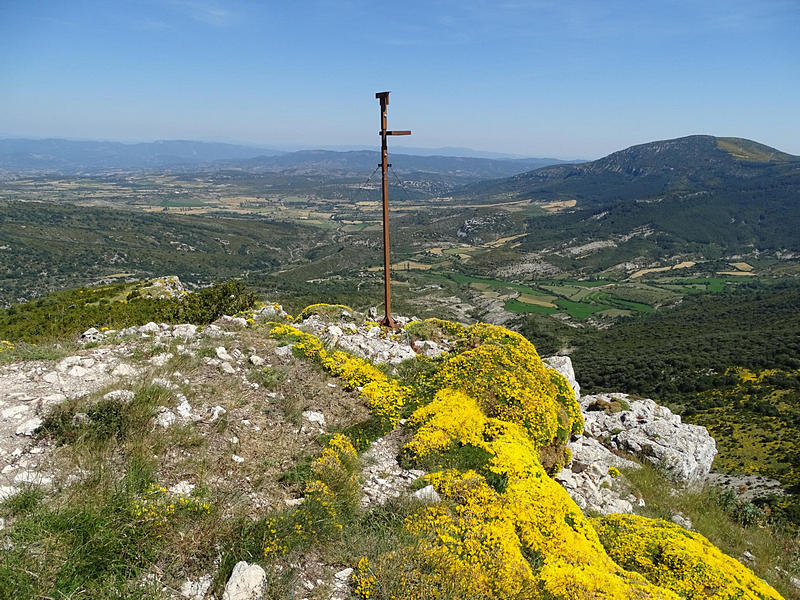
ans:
x=222 y=354
x=92 y=335
x=50 y=377
x=651 y=432
x=216 y=413
x=65 y=363
x=182 y=488
x=77 y=371
x=229 y=321
x=164 y=383
x=315 y=417
x=681 y=520
x=376 y=348
x=165 y=417
x=7 y=491
x=28 y=427
x=184 y=409
x=124 y=370
x=384 y=478
x=149 y=328
x=343 y=575
x=588 y=480
x=159 y=360
x=196 y=589
x=563 y=364
x=186 y=331
x=269 y=312
x=121 y=395
x=226 y=367
x=213 y=331
x=427 y=494
x=430 y=348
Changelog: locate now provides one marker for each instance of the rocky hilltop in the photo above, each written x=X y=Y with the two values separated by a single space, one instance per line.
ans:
x=320 y=456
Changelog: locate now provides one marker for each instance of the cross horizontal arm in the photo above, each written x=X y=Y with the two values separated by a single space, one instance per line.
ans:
x=401 y=132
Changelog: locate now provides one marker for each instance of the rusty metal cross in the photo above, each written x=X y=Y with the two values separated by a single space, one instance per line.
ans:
x=387 y=320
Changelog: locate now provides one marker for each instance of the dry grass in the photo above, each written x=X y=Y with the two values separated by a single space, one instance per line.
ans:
x=558 y=205
x=682 y=265
x=741 y=266
x=262 y=427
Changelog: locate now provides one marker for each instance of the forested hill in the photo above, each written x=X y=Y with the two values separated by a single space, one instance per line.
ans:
x=693 y=164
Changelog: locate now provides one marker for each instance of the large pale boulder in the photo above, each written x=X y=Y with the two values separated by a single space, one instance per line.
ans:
x=563 y=364
x=652 y=433
x=590 y=480
x=247 y=582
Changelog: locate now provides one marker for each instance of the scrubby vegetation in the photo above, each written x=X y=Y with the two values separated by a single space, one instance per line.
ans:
x=63 y=315
x=509 y=531
x=488 y=422
x=738 y=380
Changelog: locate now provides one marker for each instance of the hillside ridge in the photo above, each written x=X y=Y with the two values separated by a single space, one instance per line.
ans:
x=690 y=163
x=356 y=421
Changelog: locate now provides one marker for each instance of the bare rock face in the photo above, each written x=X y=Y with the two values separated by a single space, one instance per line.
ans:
x=373 y=344
x=563 y=364
x=652 y=433
x=247 y=582
x=384 y=478
x=270 y=312
x=591 y=480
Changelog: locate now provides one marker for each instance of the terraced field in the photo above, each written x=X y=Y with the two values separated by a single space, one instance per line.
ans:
x=583 y=299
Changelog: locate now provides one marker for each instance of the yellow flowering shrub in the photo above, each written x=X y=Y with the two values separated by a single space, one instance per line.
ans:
x=157 y=506
x=503 y=371
x=6 y=346
x=329 y=498
x=505 y=389
x=322 y=309
x=683 y=561
x=451 y=417
x=384 y=396
x=434 y=329
x=363 y=580
x=570 y=419
x=522 y=542
x=530 y=541
x=526 y=538
x=338 y=467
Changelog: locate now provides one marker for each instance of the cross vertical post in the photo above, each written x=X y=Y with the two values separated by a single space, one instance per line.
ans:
x=387 y=320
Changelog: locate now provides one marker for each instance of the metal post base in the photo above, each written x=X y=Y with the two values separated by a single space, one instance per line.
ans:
x=388 y=322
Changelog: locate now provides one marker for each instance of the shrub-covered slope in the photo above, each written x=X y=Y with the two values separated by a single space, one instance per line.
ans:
x=505 y=529
x=178 y=488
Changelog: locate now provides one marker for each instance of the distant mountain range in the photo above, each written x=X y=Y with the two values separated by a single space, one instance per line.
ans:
x=697 y=163
x=68 y=157
x=360 y=162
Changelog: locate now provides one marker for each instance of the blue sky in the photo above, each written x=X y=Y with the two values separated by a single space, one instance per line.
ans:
x=540 y=78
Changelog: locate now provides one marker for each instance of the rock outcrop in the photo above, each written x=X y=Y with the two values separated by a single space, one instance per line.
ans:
x=247 y=582
x=617 y=427
x=652 y=433
x=563 y=364
x=591 y=479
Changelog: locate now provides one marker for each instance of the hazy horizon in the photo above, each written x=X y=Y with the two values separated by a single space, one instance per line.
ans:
x=543 y=78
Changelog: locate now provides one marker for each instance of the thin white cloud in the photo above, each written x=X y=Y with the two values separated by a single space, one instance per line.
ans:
x=210 y=13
